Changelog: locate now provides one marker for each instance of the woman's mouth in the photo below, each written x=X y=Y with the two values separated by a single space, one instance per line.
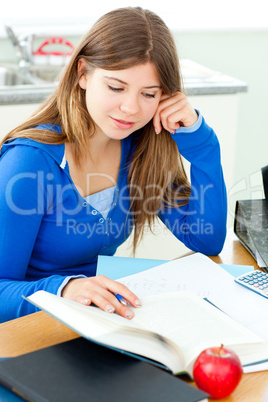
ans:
x=123 y=123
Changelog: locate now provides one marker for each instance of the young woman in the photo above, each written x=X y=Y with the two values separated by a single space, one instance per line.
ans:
x=100 y=157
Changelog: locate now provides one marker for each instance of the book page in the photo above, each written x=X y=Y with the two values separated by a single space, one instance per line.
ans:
x=194 y=324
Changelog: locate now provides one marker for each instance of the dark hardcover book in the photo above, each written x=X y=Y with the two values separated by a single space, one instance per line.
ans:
x=80 y=370
x=251 y=227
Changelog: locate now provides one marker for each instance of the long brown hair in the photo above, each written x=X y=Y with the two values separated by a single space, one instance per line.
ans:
x=121 y=39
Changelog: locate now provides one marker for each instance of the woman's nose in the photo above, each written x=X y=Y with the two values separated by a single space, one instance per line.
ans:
x=130 y=106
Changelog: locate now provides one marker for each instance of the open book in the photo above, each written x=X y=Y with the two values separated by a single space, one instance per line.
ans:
x=170 y=328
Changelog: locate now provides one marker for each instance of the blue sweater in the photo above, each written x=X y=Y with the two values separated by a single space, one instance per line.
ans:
x=48 y=232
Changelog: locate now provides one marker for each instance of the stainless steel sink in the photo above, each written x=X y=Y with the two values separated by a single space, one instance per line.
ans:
x=26 y=85
x=25 y=82
x=45 y=73
x=25 y=72
x=12 y=75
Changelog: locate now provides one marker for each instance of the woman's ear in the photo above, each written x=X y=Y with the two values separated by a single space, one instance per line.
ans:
x=81 y=72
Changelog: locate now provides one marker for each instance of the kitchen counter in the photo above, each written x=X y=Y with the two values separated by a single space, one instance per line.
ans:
x=198 y=80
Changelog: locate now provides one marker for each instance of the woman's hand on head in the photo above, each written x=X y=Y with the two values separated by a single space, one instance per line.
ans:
x=101 y=291
x=174 y=111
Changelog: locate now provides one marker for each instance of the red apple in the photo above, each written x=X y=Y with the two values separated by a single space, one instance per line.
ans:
x=217 y=371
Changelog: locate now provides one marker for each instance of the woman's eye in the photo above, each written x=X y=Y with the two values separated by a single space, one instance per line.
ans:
x=149 y=95
x=114 y=89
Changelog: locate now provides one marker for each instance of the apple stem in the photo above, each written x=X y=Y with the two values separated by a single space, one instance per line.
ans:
x=220 y=349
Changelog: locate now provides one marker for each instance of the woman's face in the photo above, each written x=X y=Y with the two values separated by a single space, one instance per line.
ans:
x=122 y=101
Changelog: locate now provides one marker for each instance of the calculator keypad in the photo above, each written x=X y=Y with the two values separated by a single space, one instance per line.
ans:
x=256 y=281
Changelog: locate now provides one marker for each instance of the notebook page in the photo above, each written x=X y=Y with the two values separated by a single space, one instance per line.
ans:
x=173 y=276
x=202 y=276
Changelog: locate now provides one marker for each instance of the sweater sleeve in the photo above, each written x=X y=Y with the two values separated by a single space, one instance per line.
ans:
x=23 y=202
x=201 y=224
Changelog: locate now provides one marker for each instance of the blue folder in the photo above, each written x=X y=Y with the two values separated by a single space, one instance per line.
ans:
x=119 y=267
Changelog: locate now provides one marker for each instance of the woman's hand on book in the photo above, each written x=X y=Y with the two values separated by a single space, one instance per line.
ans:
x=173 y=112
x=101 y=291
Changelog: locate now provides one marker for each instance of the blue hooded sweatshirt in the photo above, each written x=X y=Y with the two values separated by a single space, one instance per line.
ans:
x=50 y=233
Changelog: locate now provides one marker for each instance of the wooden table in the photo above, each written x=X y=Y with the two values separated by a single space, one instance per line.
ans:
x=40 y=330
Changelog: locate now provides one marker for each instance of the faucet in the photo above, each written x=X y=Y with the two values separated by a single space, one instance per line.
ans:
x=23 y=47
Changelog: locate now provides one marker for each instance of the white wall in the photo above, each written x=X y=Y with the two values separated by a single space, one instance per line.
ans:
x=181 y=14
x=243 y=55
x=13 y=115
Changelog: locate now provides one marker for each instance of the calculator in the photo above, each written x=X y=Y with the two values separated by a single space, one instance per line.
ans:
x=256 y=281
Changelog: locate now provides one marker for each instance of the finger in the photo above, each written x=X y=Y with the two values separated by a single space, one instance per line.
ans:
x=84 y=300
x=118 y=288
x=101 y=301
x=165 y=96
x=125 y=312
x=172 y=95
x=173 y=121
x=120 y=308
x=156 y=119
x=110 y=304
x=167 y=100
x=122 y=290
x=164 y=105
x=180 y=112
x=157 y=123
x=170 y=116
x=172 y=104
